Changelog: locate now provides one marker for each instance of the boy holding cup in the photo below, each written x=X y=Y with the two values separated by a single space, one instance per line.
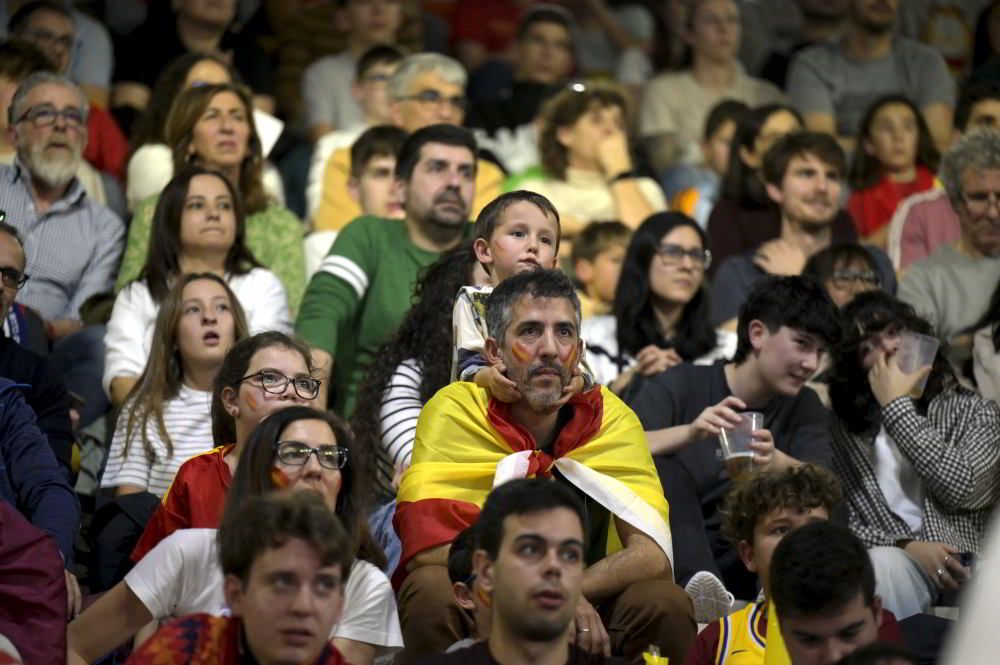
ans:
x=785 y=327
x=921 y=474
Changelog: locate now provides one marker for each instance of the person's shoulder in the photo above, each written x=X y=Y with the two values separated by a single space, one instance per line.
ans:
x=277 y=213
x=209 y=459
x=739 y=266
x=578 y=656
x=476 y=653
x=334 y=63
x=911 y=49
x=185 y=634
x=819 y=54
x=191 y=539
x=601 y=326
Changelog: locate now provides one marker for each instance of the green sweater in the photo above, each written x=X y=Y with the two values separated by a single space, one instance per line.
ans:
x=274 y=235
x=358 y=298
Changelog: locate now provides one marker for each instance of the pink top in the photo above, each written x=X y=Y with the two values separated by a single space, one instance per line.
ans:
x=922 y=223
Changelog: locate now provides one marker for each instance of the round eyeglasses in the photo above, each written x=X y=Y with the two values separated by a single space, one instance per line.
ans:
x=297 y=453
x=274 y=382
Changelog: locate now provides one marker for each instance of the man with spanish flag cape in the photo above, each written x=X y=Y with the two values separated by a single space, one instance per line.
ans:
x=468 y=442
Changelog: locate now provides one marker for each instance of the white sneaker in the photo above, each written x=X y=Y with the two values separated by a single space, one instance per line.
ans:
x=709 y=596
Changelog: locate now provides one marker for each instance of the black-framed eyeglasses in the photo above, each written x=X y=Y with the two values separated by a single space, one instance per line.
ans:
x=274 y=382
x=673 y=255
x=980 y=202
x=50 y=38
x=435 y=98
x=45 y=116
x=844 y=279
x=297 y=453
x=13 y=278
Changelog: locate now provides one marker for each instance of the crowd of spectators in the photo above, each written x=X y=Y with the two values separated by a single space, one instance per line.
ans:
x=498 y=331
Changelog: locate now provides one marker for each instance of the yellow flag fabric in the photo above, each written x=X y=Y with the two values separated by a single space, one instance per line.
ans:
x=466 y=443
x=776 y=653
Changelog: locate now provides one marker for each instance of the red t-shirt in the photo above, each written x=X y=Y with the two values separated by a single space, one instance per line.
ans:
x=872 y=208
x=107 y=148
x=492 y=23
x=194 y=501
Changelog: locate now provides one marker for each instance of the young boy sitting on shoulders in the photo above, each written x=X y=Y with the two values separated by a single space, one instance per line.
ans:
x=598 y=252
x=517 y=231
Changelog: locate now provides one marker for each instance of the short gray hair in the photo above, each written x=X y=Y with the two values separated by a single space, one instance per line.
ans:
x=543 y=283
x=412 y=66
x=978 y=150
x=19 y=104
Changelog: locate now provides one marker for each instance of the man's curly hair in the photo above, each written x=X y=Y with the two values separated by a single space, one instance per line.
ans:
x=799 y=488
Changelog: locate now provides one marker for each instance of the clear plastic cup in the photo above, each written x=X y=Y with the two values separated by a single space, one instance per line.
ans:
x=915 y=352
x=735 y=443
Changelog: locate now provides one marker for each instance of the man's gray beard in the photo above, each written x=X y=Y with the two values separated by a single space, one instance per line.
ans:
x=55 y=172
x=537 y=399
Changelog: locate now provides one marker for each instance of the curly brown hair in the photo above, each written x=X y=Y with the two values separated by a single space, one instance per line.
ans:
x=799 y=488
x=564 y=110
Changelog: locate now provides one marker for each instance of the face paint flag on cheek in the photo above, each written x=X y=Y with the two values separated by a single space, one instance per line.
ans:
x=521 y=354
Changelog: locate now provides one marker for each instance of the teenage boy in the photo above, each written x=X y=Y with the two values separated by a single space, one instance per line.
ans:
x=373 y=162
x=758 y=513
x=467 y=589
x=822 y=586
x=784 y=328
x=598 y=252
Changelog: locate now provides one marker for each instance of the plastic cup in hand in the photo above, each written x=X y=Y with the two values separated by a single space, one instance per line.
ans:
x=915 y=352
x=735 y=443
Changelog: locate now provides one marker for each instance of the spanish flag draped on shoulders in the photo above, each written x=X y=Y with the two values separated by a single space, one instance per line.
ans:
x=467 y=443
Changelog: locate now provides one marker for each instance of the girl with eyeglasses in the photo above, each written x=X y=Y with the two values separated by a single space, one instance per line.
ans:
x=661 y=312
x=167 y=417
x=259 y=376
x=296 y=449
x=199 y=227
x=845 y=270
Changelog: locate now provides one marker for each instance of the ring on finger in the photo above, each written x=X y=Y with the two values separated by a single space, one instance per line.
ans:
x=940 y=572
x=946 y=557
x=585 y=630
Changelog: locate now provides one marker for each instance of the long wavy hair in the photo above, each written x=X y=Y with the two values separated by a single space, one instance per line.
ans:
x=633 y=307
x=850 y=394
x=161 y=381
x=741 y=183
x=425 y=336
x=991 y=319
x=151 y=126
x=866 y=170
x=185 y=113
x=254 y=475
x=163 y=258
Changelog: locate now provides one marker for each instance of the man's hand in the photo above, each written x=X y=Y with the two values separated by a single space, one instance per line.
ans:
x=613 y=154
x=74 y=599
x=62 y=328
x=492 y=378
x=780 y=257
x=653 y=360
x=888 y=382
x=587 y=630
x=934 y=557
x=714 y=419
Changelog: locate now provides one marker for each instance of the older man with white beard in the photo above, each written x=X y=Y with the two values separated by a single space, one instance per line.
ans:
x=72 y=243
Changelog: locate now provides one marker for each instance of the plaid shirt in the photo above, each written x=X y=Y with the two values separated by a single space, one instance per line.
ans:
x=956 y=451
x=73 y=250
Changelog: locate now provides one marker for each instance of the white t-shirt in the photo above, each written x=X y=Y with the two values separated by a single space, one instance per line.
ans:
x=181 y=575
x=129 y=334
x=188 y=421
x=899 y=481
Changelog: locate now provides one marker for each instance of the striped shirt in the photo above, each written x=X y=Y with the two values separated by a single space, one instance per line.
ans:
x=188 y=422
x=73 y=250
x=401 y=404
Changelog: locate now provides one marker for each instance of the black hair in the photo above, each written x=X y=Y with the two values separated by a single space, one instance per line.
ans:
x=636 y=324
x=544 y=13
x=991 y=318
x=598 y=237
x=409 y=154
x=423 y=337
x=19 y=59
x=19 y=18
x=971 y=94
x=983 y=45
x=866 y=170
x=542 y=283
x=377 y=141
x=523 y=497
x=728 y=110
x=820 y=568
x=460 y=555
x=879 y=653
x=796 y=302
x=799 y=144
x=850 y=393
x=741 y=184
x=825 y=262
x=491 y=215
x=380 y=54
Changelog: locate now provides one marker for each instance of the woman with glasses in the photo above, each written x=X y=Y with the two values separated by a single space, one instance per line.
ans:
x=661 y=313
x=587 y=162
x=259 y=376
x=212 y=126
x=844 y=270
x=296 y=449
x=167 y=417
x=198 y=226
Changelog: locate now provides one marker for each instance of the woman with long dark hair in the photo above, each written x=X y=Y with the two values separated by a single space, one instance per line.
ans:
x=167 y=415
x=920 y=474
x=986 y=351
x=661 y=314
x=295 y=449
x=199 y=226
